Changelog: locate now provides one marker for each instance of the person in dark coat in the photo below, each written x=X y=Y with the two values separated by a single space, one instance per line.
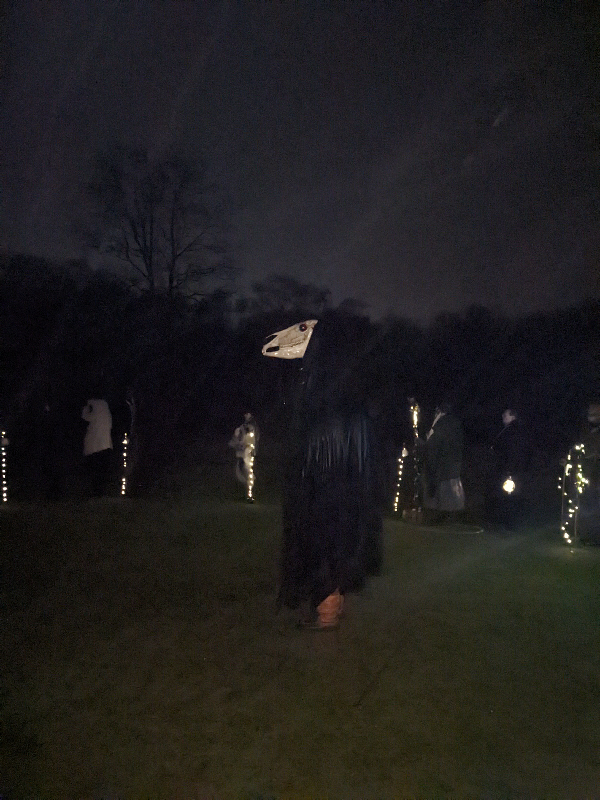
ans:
x=588 y=518
x=331 y=509
x=51 y=452
x=511 y=450
x=442 y=453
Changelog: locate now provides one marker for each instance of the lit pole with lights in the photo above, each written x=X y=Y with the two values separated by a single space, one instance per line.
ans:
x=414 y=418
x=401 y=458
x=414 y=414
x=124 y=476
x=250 y=467
x=3 y=451
x=571 y=485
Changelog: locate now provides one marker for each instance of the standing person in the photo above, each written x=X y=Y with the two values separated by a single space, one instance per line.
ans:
x=512 y=453
x=332 y=501
x=97 y=444
x=245 y=441
x=443 y=493
x=51 y=455
x=588 y=522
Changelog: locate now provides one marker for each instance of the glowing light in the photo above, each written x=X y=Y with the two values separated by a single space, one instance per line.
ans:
x=4 y=441
x=124 y=477
x=509 y=485
x=415 y=411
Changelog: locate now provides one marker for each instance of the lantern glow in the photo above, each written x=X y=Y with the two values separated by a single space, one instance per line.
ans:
x=509 y=485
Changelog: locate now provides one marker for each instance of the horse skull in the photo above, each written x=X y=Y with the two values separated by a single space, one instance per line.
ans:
x=291 y=342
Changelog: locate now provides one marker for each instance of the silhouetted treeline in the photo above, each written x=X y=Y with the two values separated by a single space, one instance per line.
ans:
x=67 y=333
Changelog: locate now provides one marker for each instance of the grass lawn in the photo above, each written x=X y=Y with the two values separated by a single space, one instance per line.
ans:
x=142 y=658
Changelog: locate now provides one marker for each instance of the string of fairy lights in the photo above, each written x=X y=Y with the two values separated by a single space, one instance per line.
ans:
x=414 y=413
x=125 y=443
x=124 y=476
x=250 y=481
x=571 y=484
x=401 y=458
x=414 y=416
x=4 y=442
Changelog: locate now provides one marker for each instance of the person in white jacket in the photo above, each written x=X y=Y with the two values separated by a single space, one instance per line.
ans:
x=97 y=444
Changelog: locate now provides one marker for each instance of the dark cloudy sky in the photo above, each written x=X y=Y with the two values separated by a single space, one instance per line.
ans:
x=419 y=156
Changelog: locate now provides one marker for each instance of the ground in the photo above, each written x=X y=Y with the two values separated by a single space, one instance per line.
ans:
x=144 y=658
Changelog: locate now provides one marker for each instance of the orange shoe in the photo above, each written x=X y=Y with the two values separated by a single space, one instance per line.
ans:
x=328 y=612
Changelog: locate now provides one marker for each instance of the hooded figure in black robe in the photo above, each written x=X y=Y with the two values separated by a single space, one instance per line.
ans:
x=512 y=450
x=332 y=499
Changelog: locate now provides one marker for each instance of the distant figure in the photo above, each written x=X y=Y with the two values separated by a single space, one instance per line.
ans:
x=512 y=453
x=245 y=441
x=51 y=452
x=589 y=504
x=442 y=453
x=97 y=444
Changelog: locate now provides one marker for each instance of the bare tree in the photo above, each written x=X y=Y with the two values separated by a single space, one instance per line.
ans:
x=161 y=220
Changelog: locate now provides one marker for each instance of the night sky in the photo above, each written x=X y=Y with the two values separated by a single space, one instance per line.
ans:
x=418 y=156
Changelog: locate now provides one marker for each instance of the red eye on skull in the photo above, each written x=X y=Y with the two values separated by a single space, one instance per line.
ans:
x=303 y=327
